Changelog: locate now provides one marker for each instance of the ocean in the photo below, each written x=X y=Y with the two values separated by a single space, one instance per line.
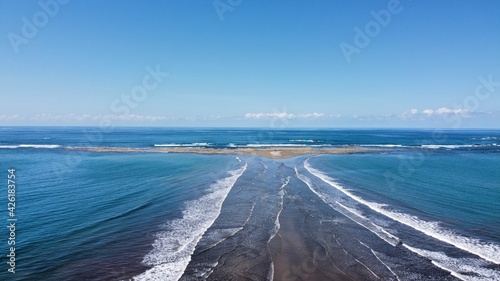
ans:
x=422 y=205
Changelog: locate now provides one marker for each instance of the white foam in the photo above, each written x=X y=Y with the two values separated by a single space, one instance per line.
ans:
x=304 y=141
x=214 y=237
x=380 y=260
x=249 y=215
x=354 y=211
x=44 y=146
x=39 y=146
x=274 y=145
x=487 y=138
x=264 y=165
x=352 y=214
x=367 y=268
x=383 y=145
x=9 y=146
x=270 y=275
x=173 y=248
x=195 y=144
x=205 y=271
x=447 y=146
x=374 y=228
x=281 y=193
x=487 y=251
x=266 y=145
x=463 y=268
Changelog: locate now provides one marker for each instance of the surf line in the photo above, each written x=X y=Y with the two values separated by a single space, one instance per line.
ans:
x=362 y=221
x=489 y=252
x=172 y=250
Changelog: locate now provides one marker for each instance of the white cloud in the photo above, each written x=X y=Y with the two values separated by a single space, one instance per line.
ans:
x=428 y=112
x=444 y=110
x=310 y=115
x=11 y=117
x=409 y=114
x=414 y=113
x=284 y=115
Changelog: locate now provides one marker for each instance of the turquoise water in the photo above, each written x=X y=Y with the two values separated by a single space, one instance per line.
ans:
x=444 y=206
x=461 y=190
x=426 y=196
x=99 y=217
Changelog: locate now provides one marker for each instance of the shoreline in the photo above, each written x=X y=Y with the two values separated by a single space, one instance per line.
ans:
x=272 y=153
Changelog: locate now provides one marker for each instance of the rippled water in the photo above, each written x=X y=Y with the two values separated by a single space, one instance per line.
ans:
x=426 y=208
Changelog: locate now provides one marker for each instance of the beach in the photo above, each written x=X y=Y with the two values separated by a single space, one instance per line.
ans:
x=269 y=229
x=296 y=255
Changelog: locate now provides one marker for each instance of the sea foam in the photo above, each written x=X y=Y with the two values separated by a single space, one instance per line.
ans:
x=463 y=268
x=173 y=247
x=353 y=214
x=43 y=146
x=487 y=251
x=195 y=144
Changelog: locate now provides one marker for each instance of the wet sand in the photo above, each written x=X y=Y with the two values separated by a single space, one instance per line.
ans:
x=295 y=253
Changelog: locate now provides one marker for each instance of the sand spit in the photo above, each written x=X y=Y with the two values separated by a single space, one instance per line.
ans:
x=273 y=153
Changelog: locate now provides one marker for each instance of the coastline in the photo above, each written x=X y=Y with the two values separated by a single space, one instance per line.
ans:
x=272 y=153
x=302 y=210
x=295 y=252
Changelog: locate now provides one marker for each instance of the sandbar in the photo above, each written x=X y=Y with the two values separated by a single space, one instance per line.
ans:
x=273 y=153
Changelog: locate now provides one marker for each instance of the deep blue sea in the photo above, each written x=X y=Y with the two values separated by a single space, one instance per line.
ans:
x=424 y=206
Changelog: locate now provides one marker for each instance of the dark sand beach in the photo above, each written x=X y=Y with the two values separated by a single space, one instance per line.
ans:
x=296 y=254
x=272 y=227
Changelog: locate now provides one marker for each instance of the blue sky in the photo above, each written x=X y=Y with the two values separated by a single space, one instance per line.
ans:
x=250 y=63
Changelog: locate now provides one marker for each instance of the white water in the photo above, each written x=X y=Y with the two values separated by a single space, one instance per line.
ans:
x=277 y=221
x=173 y=248
x=195 y=144
x=463 y=268
x=350 y=213
x=46 y=146
x=487 y=251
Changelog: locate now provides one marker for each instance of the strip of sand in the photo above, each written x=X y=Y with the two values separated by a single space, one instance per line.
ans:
x=274 y=153
x=295 y=253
